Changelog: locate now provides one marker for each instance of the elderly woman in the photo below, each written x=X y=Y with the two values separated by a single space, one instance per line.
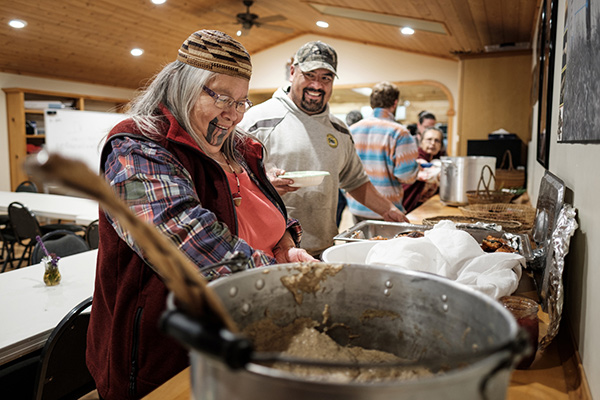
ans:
x=181 y=165
x=430 y=147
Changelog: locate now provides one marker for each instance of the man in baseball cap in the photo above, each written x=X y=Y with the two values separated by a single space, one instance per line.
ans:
x=301 y=134
x=315 y=55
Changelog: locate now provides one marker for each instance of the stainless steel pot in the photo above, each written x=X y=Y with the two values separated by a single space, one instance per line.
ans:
x=426 y=316
x=460 y=174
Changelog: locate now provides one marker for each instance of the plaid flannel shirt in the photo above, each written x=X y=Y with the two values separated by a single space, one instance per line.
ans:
x=159 y=190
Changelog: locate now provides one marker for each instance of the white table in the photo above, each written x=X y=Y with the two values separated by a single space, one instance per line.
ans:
x=54 y=206
x=30 y=310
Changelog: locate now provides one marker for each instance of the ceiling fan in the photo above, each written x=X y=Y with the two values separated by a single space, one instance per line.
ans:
x=248 y=20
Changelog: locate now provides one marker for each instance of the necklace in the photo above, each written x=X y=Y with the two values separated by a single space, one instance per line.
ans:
x=237 y=197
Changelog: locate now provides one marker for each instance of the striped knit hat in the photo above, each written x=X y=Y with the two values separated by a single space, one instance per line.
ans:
x=216 y=51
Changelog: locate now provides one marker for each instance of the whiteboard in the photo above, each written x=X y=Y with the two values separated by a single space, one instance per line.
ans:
x=78 y=134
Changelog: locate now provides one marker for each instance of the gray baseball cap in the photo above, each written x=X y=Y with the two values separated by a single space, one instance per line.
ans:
x=315 y=55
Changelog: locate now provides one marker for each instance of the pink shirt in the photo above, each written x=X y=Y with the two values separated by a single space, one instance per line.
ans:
x=260 y=223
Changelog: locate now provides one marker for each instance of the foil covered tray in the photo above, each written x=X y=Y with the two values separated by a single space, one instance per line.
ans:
x=555 y=224
x=381 y=230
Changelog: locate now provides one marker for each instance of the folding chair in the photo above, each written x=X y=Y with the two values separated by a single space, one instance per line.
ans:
x=92 y=235
x=7 y=253
x=62 y=372
x=25 y=227
x=61 y=242
x=27 y=186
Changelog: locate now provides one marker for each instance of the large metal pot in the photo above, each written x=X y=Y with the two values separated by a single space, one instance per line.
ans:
x=460 y=174
x=423 y=316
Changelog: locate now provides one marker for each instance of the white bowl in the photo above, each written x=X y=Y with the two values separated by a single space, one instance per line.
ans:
x=354 y=252
x=305 y=178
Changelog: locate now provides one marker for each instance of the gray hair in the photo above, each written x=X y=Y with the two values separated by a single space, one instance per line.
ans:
x=177 y=86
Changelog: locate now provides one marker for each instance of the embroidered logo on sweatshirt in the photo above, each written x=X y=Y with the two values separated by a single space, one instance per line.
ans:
x=332 y=141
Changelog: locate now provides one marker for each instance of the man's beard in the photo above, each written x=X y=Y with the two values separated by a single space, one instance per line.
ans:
x=313 y=106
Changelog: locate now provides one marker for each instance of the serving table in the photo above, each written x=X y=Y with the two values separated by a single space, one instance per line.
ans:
x=556 y=373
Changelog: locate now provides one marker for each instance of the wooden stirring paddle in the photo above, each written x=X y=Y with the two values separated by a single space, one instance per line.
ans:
x=179 y=274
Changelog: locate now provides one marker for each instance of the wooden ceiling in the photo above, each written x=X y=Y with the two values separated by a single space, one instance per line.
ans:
x=89 y=40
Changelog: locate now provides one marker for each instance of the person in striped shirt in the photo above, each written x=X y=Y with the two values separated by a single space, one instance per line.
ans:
x=387 y=150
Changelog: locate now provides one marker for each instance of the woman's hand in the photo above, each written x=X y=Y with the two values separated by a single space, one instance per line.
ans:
x=286 y=251
x=292 y=255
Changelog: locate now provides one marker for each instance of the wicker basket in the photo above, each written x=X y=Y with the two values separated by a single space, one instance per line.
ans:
x=508 y=226
x=509 y=177
x=485 y=195
x=502 y=211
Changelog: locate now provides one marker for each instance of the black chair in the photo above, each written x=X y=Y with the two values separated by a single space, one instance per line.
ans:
x=92 y=235
x=61 y=242
x=62 y=372
x=61 y=225
x=25 y=228
x=7 y=253
x=27 y=186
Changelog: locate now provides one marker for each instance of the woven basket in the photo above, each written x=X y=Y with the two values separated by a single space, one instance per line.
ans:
x=509 y=177
x=485 y=195
x=502 y=211
x=508 y=226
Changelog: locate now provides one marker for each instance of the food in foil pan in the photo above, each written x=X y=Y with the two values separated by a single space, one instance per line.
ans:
x=383 y=230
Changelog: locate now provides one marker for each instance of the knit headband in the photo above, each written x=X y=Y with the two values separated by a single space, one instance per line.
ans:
x=216 y=51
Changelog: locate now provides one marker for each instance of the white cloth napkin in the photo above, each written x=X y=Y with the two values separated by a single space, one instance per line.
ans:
x=454 y=254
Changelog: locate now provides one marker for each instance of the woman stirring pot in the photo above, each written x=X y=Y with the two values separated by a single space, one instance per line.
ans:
x=180 y=164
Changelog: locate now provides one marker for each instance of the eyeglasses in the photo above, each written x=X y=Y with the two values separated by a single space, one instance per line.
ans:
x=222 y=101
x=323 y=79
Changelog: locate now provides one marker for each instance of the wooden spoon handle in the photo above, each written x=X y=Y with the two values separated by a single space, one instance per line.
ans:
x=180 y=275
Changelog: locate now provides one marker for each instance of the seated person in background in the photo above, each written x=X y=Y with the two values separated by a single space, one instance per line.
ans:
x=412 y=128
x=426 y=120
x=386 y=149
x=428 y=178
x=181 y=165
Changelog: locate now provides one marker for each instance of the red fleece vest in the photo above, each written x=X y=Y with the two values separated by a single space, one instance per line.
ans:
x=127 y=354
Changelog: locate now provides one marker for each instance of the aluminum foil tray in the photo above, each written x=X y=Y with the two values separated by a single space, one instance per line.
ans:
x=373 y=230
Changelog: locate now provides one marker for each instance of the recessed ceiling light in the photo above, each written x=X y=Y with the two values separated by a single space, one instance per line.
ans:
x=17 y=23
x=322 y=24
x=159 y=1
x=239 y=33
x=407 y=30
x=137 y=52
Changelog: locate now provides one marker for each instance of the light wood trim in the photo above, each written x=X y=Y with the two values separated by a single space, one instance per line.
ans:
x=16 y=116
x=63 y=94
x=17 y=145
x=496 y=54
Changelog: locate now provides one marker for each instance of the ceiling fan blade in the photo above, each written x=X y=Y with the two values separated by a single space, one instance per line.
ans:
x=272 y=18
x=394 y=20
x=277 y=28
